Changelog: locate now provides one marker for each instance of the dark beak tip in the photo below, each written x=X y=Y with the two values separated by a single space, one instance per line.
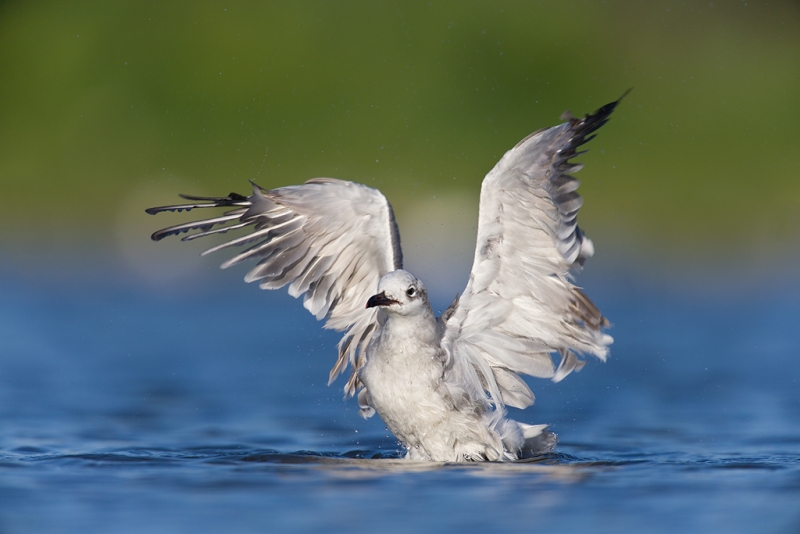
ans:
x=379 y=300
x=375 y=300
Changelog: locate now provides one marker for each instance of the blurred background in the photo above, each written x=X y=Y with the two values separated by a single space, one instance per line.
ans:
x=107 y=108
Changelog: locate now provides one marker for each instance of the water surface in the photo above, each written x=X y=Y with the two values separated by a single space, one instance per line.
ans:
x=205 y=409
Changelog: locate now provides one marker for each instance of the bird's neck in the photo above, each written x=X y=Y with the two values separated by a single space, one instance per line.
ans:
x=422 y=327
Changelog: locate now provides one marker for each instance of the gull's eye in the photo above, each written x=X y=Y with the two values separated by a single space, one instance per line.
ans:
x=411 y=292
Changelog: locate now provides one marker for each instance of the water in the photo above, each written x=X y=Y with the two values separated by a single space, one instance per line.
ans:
x=125 y=409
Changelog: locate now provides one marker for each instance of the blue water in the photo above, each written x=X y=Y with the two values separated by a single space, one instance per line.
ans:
x=125 y=408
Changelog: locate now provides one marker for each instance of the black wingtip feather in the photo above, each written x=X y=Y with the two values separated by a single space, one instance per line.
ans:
x=232 y=200
x=583 y=129
x=222 y=201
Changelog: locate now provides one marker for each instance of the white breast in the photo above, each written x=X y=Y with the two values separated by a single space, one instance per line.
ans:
x=405 y=374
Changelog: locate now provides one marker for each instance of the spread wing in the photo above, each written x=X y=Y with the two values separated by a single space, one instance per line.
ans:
x=520 y=304
x=331 y=240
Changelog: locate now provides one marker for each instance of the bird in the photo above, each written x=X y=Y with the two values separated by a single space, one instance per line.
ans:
x=440 y=384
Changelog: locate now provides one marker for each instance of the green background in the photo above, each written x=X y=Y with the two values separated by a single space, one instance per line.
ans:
x=107 y=108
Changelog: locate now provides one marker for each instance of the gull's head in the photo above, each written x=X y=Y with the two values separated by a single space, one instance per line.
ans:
x=400 y=292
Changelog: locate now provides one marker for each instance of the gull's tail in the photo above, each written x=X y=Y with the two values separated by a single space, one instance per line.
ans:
x=538 y=440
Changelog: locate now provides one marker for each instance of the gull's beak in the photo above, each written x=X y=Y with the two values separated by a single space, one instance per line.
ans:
x=380 y=300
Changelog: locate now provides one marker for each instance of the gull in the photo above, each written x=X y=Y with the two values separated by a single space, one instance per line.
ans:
x=440 y=384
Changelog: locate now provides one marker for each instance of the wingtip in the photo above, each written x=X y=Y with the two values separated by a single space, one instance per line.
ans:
x=611 y=106
x=621 y=98
x=174 y=208
x=582 y=128
x=602 y=113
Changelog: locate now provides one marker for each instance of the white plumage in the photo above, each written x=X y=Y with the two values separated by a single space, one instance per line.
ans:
x=440 y=384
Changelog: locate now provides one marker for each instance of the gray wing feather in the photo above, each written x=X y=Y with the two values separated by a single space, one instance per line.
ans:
x=328 y=239
x=520 y=305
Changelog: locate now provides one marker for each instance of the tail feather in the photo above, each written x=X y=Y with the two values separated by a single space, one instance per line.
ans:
x=538 y=440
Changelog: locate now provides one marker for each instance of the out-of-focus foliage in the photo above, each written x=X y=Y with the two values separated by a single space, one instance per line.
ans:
x=104 y=102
